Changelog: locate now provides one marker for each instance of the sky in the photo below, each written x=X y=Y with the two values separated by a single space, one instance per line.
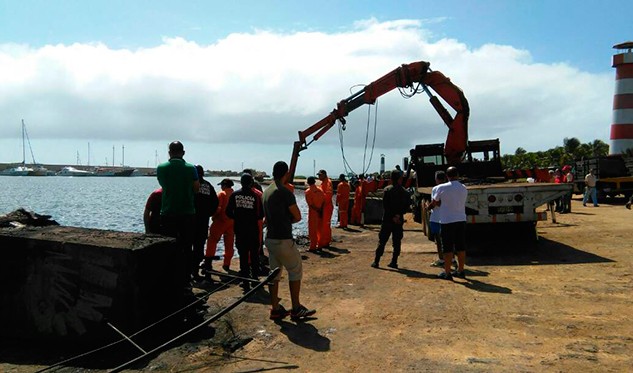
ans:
x=115 y=81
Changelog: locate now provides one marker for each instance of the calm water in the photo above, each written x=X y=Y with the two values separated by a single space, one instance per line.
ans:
x=114 y=203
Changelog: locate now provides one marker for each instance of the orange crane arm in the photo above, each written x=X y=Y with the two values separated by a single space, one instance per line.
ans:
x=404 y=76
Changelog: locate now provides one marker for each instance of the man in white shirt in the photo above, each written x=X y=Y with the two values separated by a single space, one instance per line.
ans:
x=590 y=188
x=451 y=196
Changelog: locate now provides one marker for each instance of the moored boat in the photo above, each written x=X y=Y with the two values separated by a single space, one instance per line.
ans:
x=72 y=171
x=113 y=171
x=16 y=171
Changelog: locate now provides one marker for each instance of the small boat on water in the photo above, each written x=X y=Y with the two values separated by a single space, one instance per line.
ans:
x=23 y=169
x=16 y=171
x=113 y=171
x=72 y=171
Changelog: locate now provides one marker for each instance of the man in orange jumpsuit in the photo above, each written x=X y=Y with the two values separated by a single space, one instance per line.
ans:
x=221 y=226
x=359 y=201
x=328 y=209
x=315 y=198
x=342 y=201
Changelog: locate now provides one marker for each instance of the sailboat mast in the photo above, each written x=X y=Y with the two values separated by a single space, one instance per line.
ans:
x=23 y=144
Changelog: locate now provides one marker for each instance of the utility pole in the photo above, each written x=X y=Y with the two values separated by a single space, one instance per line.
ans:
x=122 y=155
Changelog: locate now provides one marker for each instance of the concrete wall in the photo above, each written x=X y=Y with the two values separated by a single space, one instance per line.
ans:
x=65 y=282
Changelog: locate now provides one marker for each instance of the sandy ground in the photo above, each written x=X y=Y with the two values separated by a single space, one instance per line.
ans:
x=563 y=304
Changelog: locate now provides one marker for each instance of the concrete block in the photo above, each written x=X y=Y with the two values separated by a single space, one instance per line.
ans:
x=65 y=282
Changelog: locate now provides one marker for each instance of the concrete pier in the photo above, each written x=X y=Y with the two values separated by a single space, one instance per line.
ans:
x=66 y=282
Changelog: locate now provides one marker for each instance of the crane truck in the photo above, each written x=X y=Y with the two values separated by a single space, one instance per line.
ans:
x=490 y=199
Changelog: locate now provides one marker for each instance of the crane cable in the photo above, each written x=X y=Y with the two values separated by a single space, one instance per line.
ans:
x=421 y=87
x=341 y=128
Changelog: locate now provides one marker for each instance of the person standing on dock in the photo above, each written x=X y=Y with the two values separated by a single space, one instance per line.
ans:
x=396 y=202
x=257 y=188
x=342 y=201
x=206 y=201
x=179 y=181
x=281 y=211
x=315 y=199
x=359 y=201
x=451 y=196
x=246 y=209
x=568 y=178
x=435 y=219
x=221 y=226
x=590 y=188
x=151 y=214
x=328 y=209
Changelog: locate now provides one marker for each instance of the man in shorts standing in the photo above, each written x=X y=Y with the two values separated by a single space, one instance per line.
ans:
x=435 y=220
x=451 y=196
x=281 y=211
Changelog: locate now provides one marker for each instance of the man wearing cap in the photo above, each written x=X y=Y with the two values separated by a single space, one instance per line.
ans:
x=325 y=233
x=281 y=211
x=179 y=181
x=342 y=201
x=221 y=226
x=246 y=209
x=206 y=202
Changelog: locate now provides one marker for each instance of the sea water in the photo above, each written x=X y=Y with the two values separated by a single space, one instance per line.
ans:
x=111 y=203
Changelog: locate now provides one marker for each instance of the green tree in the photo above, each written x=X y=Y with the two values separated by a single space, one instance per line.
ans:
x=571 y=145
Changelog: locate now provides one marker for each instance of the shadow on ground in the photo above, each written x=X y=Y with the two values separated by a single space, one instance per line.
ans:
x=305 y=335
x=510 y=251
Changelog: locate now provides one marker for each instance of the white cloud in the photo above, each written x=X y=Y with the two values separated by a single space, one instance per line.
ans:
x=263 y=86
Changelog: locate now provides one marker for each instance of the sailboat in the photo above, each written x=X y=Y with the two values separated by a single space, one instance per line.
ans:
x=23 y=169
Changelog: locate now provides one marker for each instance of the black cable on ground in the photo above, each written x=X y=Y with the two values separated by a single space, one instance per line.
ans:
x=213 y=318
x=98 y=349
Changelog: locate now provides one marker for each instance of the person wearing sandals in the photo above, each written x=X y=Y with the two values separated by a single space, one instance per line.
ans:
x=281 y=211
x=451 y=196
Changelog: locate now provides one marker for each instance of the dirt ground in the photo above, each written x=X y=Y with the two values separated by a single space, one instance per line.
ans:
x=563 y=304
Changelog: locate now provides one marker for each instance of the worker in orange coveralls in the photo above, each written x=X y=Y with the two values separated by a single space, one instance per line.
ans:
x=221 y=226
x=315 y=199
x=342 y=201
x=328 y=208
x=359 y=201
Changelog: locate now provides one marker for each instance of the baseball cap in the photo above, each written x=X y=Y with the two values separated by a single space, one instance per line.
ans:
x=226 y=182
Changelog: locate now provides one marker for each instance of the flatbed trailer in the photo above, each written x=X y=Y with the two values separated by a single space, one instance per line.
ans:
x=503 y=202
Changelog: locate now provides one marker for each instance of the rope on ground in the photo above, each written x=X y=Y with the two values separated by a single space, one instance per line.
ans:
x=98 y=349
x=224 y=311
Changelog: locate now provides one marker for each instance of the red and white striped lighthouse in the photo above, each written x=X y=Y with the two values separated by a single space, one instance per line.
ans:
x=622 y=125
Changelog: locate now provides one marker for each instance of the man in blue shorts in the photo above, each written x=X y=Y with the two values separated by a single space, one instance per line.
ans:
x=435 y=220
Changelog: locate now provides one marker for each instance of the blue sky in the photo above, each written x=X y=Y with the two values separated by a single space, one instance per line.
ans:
x=236 y=80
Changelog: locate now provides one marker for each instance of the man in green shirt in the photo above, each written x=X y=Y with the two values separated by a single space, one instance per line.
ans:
x=179 y=181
